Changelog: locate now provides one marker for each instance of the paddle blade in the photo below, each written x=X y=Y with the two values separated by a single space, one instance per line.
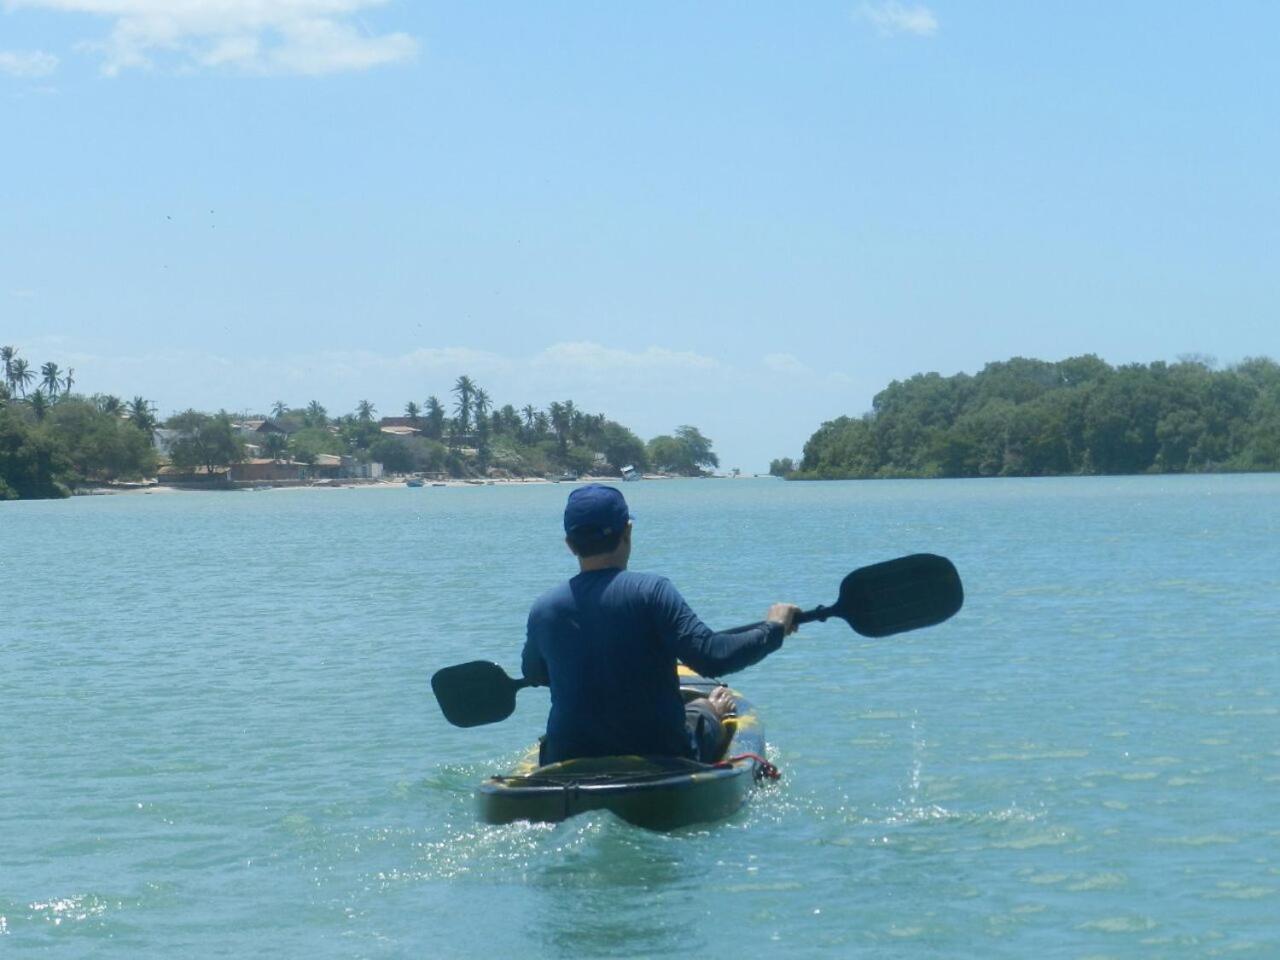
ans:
x=475 y=693
x=898 y=595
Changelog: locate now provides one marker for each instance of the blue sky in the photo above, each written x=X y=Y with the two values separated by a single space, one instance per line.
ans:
x=746 y=216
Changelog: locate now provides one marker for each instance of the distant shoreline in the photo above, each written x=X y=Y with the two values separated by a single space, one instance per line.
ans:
x=134 y=489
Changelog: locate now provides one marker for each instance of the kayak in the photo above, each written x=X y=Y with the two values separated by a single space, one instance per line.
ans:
x=658 y=793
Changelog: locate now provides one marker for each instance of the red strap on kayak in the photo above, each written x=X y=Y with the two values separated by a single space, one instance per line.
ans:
x=764 y=771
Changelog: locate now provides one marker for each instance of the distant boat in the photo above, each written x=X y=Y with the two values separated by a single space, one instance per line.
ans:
x=630 y=473
x=569 y=475
x=439 y=483
x=415 y=482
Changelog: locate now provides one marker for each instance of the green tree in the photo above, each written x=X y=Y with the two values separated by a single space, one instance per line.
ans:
x=108 y=403
x=20 y=375
x=365 y=411
x=393 y=453
x=310 y=442
x=275 y=445
x=39 y=404
x=621 y=447
x=7 y=356
x=667 y=453
x=480 y=405
x=101 y=446
x=698 y=446
x=316 y=415
x=142 y=414
x=204 y=441
x=464 y=389
x=32 y=465
x=561 y=421
x=435 y=417
x=51 y=380
x=781 y=467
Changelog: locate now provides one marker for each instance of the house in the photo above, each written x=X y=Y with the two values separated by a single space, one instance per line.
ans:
x=256 y=428
x=331 y=466
x=355 y=470
x=413 y=423
x=327 y=466
x=260 y=470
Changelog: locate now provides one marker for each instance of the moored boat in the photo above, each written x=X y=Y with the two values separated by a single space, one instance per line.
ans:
x=659 y=793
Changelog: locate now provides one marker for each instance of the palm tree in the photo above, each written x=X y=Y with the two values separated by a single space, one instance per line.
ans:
x=279 y=409
x=108 y=403
x=530 y=418
x=573 y=417
x=465 y=388
x=560 y=424
x=20 y=375
x=435 y=418
x=365 y=411
x=50 y=379
x=39 y=404
x=480 y=403
x=276 y=445
x=316 y=415
x=68 y=380
x=142 y=414
x=413 y=412
x=7 y=355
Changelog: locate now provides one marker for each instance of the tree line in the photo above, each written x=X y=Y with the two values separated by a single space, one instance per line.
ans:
x=1030 y=418
x=468 y=434
x=52 y=440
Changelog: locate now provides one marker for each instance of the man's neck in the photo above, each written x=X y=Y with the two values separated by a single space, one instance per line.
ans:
x=601 y=561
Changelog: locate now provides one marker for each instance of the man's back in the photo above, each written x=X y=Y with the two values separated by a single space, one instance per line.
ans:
x=606 y=642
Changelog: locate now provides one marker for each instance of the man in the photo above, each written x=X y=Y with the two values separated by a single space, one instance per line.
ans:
x=607 y=642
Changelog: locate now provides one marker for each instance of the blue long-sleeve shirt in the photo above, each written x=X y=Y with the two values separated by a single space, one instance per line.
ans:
x=607 y=642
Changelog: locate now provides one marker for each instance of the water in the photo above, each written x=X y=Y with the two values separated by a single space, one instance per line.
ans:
x=217 y=736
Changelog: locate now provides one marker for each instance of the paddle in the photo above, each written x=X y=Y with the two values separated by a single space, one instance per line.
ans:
x=877 y=601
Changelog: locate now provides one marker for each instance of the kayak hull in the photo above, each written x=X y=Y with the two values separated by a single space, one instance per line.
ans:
x=657 y=793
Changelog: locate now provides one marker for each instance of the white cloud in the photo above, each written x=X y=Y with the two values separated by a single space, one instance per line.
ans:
x=787 y=364
x=255 y=36
x=593 y=358
x=891 y=17
x=27 y=63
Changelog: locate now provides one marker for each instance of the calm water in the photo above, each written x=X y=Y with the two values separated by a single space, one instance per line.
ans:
x=217 y=735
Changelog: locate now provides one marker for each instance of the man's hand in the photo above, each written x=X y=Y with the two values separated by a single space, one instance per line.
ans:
x=785 y=614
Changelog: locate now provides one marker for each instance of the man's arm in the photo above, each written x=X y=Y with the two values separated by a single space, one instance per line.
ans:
x=532 y=665
x=711 y=653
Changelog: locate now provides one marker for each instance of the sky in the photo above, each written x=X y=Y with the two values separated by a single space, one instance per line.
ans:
x=750 y=217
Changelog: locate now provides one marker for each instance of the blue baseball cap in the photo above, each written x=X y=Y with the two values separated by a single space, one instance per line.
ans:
x=596 y=510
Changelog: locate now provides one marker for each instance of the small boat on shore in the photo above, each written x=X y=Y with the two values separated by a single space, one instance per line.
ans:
x=415 y=482
x=657 y=793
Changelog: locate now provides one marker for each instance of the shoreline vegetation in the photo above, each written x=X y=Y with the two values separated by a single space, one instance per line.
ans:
x=54 y=442
x=1075 y=417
